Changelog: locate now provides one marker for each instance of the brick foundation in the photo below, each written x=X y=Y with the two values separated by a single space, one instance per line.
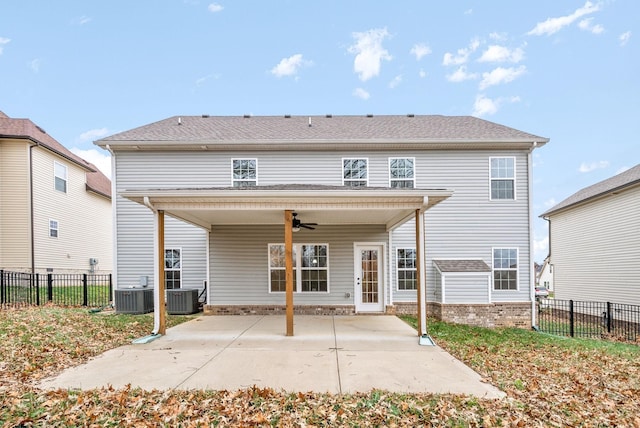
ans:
x=278 y=310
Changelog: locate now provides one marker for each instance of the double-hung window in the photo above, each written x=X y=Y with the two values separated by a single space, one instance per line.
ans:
x=406 y=268
x=505 y=268
x=310 y=268
x=401 y=172
x=503 y=178
x=60 y=176
x=53 y=228
x=244 y=172
x=172 y=268
x=354 y=172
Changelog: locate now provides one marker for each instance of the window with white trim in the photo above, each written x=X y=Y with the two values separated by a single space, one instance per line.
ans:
x=172 y=268
x=244 y=172
x=310 y=268
x=503 y=178
x=354 y=172
x=406 y=268
x=401 y=173
x=60 y=176
x=53 y=228
x=505 y=268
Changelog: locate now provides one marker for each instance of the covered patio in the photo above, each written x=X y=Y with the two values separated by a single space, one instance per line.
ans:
x=276 y=205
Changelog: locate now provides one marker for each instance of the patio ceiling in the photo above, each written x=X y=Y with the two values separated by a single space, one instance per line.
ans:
x=263 y=205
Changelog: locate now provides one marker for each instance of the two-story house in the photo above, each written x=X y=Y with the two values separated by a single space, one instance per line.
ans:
x=377 y=207
x=55 y=208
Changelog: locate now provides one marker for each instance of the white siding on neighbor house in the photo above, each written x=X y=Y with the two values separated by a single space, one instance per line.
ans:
x=595 y=250
x=84 y=219
x=15 y=228
x=468 y=224
x=240 y=269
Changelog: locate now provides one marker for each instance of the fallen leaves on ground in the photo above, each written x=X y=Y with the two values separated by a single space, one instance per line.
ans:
x=548 y=381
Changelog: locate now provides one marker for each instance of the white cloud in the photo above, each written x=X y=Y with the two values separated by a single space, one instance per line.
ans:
x=588 y=167
x=501 y=75
x=98 y=158
x=622 y=169
x=461 y=74
x=498 y=37
x=497 y=53
x=587 y=25
x=202 y=80
x=396 y=81
x=468 y=12
x=93 y=134
x=486 y=106
x=462 y=55
x=361 y=93
x=215 y=8
x=422 y=73
x=369 y=53
x=420 y=50
x=553 y=25
x=624 y=39
x=290 y=66
x=3 y=41
x=83 y=20
x=34 y=65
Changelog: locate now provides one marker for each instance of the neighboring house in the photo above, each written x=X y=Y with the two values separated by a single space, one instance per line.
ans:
x=229 y=185
x=594 y=238
x=55 y=208
x=545 y=275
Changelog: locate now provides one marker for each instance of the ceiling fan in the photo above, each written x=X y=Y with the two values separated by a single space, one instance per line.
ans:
x=297 y=224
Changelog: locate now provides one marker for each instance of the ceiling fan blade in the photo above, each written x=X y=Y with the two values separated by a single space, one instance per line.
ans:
x=306 y=226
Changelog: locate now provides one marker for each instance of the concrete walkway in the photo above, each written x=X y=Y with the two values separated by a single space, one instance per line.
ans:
x=336 y=354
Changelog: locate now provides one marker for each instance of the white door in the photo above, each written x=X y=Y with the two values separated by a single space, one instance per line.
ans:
x=368 y=278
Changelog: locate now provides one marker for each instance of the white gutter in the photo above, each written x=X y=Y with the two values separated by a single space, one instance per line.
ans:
x=156 y=267
x=532 y=279
x=114 y=222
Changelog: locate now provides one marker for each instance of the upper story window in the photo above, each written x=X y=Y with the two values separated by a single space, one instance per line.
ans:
x=172 y=268
x=505 y=268
x=406 y=268
x=503 y=178
x=244 y=172
x=401 y=172
x=354 y=172
x=60 y=176
x=53 y=228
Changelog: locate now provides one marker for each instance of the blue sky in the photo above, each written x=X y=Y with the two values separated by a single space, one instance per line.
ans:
x=567 y=70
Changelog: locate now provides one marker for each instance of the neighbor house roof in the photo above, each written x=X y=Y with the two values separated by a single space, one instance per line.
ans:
x=462 y=266
x=26 y=129
x=629 y=178
x=214 y=132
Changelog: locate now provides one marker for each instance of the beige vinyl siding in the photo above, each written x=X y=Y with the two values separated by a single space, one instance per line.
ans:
x=239 y=263
x=84 y=219
x=466 y=288
x=15 y=228
x=595 y=250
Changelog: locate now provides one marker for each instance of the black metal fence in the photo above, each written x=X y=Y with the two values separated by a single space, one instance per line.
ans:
x=27 y=289
x=603 y=320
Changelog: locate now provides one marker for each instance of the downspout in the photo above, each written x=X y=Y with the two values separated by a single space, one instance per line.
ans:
x=532 y=279
x=156 y=312
x=33 y=242
x=114 y=222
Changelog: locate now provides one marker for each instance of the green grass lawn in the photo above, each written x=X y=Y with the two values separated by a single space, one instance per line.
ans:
x=549 y=381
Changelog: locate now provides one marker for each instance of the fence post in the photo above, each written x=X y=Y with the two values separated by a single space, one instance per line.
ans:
x=49 y=287
x=608 y=317
x=110 y=289
x=85 y=290
x=37 y=289
x=571 y=325
x=3 y=296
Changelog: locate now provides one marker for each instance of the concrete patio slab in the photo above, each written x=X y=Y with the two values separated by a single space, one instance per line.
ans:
x=335 y=354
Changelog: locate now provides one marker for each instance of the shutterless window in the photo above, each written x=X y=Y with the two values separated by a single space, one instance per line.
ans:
x=310 y=268
x=172 y=268
x=406 y=268
x=244 y=172
x=354 y=172
x=60 y=176
x=505 y=268
x=53 y=228
x=503 y=178
x=401 y=172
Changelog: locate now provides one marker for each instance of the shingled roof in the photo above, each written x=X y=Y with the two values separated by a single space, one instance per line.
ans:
x=462 y=266
x=618 y=182
x=311 y=129
x=26 y=129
